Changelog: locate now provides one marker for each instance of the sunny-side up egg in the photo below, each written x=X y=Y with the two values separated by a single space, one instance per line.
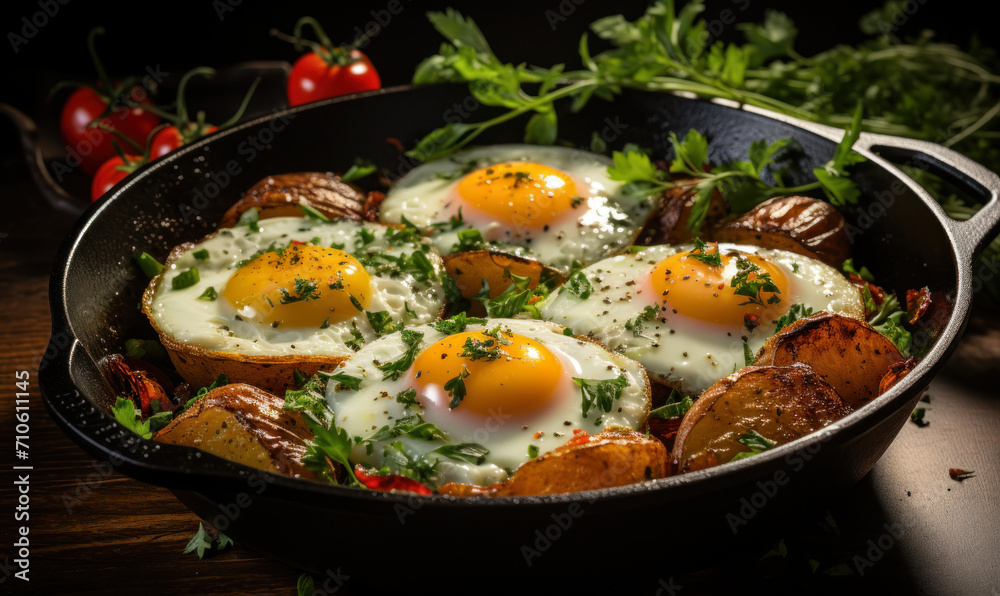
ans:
x=675 y=308
x=298 y=286
x=554 y=204
x=469 y=404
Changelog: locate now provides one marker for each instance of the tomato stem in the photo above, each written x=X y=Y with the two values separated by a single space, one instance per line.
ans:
x=182 y=111
x=243 y=106
x=334 y=55
x=102 y=74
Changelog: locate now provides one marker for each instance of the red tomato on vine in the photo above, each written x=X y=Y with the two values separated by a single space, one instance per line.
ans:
x=86 y=117
x=327 y=70
x=113 y=171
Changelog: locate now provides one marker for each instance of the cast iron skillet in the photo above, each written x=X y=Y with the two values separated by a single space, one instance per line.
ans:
x=898 y=231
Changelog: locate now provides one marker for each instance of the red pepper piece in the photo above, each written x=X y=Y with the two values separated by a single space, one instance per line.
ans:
x=390 y=482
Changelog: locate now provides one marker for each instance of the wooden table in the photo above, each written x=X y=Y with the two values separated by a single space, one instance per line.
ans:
x=906 y=526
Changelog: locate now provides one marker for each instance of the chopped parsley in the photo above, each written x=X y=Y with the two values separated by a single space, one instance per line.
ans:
x=457 y=323
x=532 y=451
x=381 y=322
x=249 y=218
x=675 y=406
x=310 y=398
x=795 y=312
x=600 y=393
x=635 y=325
x=473 y=453
x=712 y=259
x=468 y=239
x=201 y=255
x=755 y=441
x=747 y=354
x=579 y=285
x=751 y=288
x=352 y=383
x=305 y=290
x=363 y=237
x=313 y=213
x=411 y=426
x=357 y=339
x=407 y=397
x=393 y=370
x=209 y=294
x=456 y=388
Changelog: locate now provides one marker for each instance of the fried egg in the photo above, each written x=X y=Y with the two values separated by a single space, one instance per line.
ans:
x=554 y=204
x=676 y=309
x=470 y=403
x=293 y=285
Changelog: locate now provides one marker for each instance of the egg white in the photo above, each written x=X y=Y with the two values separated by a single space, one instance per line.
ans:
x=689 y=354
x=215 y=325
x=604 y=223
x=363 y=412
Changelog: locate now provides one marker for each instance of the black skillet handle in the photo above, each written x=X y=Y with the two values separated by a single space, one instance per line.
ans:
x=982 y=184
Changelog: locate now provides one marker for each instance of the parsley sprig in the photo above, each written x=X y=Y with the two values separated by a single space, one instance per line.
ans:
x=751 y=287
x=600 y=394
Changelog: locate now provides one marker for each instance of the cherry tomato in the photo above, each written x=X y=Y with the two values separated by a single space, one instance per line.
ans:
x=91 y=144
x=313 y=78
x=171 y=137
x=111 y=173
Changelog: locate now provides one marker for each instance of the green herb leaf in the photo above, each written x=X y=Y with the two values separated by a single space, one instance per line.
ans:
x=332 y=443
x=358 y=170
x=249 y=218
x=124 y=412
x=600 y=394
x=150 y=266
x=185 y=279
x=755 y=441
x=472 y=453
x=457 y=323
x=456 y=388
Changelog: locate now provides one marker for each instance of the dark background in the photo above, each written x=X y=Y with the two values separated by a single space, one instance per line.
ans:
x=130 y=535
x=179 y=35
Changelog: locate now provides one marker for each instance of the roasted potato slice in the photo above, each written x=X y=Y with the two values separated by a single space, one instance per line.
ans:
x=246 y=425
x=848 y=353
x=781 y=403
x=615 y=457
x=471 y=268
x=200 y=366
x=802 y=225
x=668 y=225
x=282 y=195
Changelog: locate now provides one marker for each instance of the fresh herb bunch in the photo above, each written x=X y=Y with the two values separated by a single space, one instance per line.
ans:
x=919 y=89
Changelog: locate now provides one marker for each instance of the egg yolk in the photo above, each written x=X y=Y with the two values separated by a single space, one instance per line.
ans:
x=508 y=374
x=300 y=286
x=520 y=193
x=703 y=291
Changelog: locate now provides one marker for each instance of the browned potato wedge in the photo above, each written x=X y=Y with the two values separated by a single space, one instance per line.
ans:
x=282 y=195
x=780 y=403
x=615 y=457
x=846 y=352
x=470 y=269
x=802 y=225
x=668 y=225
x=246 y=425
x=200 y=367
